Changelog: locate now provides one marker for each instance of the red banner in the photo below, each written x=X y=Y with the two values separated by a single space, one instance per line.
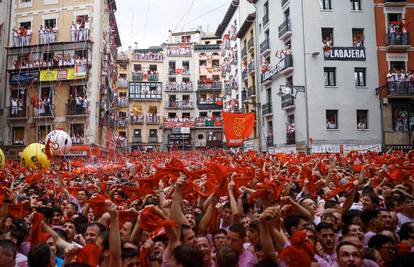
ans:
x=237 y=127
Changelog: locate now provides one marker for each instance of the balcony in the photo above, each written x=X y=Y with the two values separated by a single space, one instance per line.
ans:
x=153 y=119
x=137 y=139
x=267 y=109
x=214 y=103
x=398 y=40
x=137 y=76
x=284 y=66
x=122 y=83
x=265 y=20
x=179 y=87
x=76 y=111
x=288 y=101
x=210 y=86
x=209 y=123
x=291 y=138
x=251 y=67
x=150 y=56
x=44 y=113
x=153 y=77
x=251 y=91
x=265 y=47
x=244 y=53
x=250 y=44
x=285 y=30
x=122 y=102
x=153 y=139
x=151 y=95
x=269 y=141
x=16 y=113
x=395 y=2
x=122 y=123
x=244 y=75
x=185 y=104
x=137 y=119
x=400 y=89
x=244 y=95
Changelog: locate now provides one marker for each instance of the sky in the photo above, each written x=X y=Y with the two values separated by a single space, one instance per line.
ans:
x=147 y=21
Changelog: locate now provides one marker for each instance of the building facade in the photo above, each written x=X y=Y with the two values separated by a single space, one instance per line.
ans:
x=318 y=75
x=237 y=31
x=61 y=72
x=395 y=68
x=143 y=102
x=4 y=29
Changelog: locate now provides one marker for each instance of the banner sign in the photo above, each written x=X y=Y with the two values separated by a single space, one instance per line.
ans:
x=399 y=147
x=169 y=124
x=79 y=72
x=345 y=53
x=237 y=127
x=24 y=77
x=283 y=64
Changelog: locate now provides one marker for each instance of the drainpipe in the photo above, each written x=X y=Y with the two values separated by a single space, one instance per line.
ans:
x=257 y=59
x=306 y=80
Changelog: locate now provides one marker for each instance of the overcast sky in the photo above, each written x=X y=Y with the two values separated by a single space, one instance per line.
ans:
x=148 y=21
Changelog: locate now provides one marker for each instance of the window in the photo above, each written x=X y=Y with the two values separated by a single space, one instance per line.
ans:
x=42 y=131
x=203 y=114
x=330 y=76
x=26 y=24
x=325 y=4
x=18 y=135
x=153 y=132
x=359 y=76
x=362 y=119
x=77 y=133
x=331 y=119
x=50 y=23
x=327 y=37
x=356 y=5
x=172 y=115
x=186 y=115
x=203 y=62
x=402 y=117
x=153 y=67
x=357 y=37
x=137 y=67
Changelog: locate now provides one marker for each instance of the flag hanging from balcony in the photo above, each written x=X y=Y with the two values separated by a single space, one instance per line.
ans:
x=237 y=127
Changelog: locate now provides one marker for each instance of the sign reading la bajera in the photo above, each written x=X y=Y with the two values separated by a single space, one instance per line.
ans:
x=345 y=53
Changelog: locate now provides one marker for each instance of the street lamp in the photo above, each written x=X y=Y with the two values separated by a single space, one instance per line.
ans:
x=290 y=90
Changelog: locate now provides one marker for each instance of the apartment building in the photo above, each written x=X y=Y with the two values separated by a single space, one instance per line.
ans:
x=139 y=118
x=237 y=31
x=61 y=72
x=4 y=28
x=319 y=75
x=396 y=72
x=210 y=95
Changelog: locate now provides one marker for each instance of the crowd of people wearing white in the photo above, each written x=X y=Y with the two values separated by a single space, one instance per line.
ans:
x=44 y=107
x=22 y=36
x=148 y=56
x=400 y=80
x=122 y=101
x=80 y=30
x=17 y=106
x=397 y=32
x=77 y=104
x=47 y=35
x=183 y=86
x=58 y=60
x=77 y=138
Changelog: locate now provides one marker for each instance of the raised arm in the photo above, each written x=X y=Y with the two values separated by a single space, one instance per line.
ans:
x=115 y=259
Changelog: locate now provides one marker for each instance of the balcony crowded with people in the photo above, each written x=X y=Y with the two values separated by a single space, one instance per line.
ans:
x=400 y=82
x=175 y=86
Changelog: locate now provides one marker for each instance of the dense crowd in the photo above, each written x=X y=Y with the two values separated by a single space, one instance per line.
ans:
x=57 y=61
x=210 y=208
